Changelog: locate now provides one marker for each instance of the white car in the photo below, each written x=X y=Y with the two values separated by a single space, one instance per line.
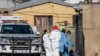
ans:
x=18 y=38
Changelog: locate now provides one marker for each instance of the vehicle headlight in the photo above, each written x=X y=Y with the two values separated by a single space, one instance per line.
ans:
x=3 y=47
x=4 y=41
x=36 y=41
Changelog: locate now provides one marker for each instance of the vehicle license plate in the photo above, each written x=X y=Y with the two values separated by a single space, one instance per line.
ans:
x=21 y=51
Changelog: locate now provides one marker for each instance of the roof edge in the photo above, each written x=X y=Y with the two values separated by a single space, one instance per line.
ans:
x=31 y=4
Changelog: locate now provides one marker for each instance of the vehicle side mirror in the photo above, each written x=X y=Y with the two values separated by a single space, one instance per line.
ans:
x=0 y=28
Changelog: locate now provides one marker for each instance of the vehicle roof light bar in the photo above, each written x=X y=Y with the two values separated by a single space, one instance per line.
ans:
x=10 y=18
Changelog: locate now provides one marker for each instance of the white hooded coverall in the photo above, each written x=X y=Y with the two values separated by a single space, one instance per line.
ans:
x=47 y=45
x=55 y=38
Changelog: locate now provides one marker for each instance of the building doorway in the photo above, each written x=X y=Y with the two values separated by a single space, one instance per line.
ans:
x=77 y=22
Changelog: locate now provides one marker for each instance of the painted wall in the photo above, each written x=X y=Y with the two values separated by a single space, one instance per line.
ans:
x=91 y=29
x=60 y=13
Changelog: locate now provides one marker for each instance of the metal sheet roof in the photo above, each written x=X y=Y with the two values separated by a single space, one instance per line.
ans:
x=38 y=2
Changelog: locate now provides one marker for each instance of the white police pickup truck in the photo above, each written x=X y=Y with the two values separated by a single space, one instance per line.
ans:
x=18 y=38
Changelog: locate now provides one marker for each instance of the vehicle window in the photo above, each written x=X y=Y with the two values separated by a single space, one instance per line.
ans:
x=16 y=29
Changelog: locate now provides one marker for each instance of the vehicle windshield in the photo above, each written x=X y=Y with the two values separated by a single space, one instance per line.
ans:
x=16 y=29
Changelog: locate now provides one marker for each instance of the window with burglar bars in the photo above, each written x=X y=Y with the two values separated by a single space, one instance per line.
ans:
x=43 y=20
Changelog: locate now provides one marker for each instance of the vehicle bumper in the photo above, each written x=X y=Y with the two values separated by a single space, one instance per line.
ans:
x=8 y=50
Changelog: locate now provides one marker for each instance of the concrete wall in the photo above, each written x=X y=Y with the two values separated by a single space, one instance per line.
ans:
x=91 y=29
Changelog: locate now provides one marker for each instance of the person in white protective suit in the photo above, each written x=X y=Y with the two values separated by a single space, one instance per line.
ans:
x=55 y=36
x=46 y=43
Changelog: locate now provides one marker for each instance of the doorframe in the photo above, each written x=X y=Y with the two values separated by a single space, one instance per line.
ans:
x=80 y=44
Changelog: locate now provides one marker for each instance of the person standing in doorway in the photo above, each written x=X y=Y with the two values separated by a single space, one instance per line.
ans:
x=46 y=43
x=54 y=39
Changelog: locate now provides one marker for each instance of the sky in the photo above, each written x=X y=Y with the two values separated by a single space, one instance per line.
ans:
x=76 y=1
x=73 y=1
x=6 y=3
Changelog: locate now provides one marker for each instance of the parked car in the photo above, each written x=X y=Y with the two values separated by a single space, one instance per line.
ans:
x=18 y=38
